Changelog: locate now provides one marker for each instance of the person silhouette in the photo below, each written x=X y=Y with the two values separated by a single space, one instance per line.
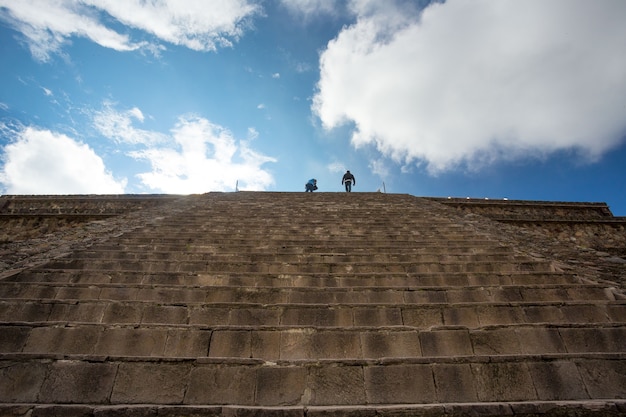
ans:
x=348 y=180
x=311 y=185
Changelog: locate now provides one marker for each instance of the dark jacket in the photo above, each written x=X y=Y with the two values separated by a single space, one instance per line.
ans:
x=348 y=177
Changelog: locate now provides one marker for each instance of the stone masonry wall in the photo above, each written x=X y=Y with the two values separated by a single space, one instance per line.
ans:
x=590 y=225
x=576 y=234
x=36 y=228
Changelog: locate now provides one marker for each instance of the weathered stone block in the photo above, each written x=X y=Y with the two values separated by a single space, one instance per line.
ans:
x=65 y=340
x=500 y=314
x=119 y=293
x=377 y=316
x=78 y=382
x=39 y=291
x=142 y=410
x=62 y=410
x=132 y=342
x=21 y=381
x=265 y=344
x=122 y=313
x=425 y=296
x=185 y=411
x=151 y=383
x=467 y=295
x=584 y=313
x=77 y=293
x=495 y=342
x=390 y=344
x=459 y=315
x=178 y=295
x=24 y=311
x=503 y=381
x=209 y=316
x=544 y=314
x=446 y=343
x=231 y=343
x=616 y=312
x=280 y=386
x=580 y=340
x=480 y=409
x=13 y=338
x=305 y=316
x=603 y=378
x=454 y=383
x=255 y=316
x=399 y=384
x=222 y=384
x=335 y=385
x=85 y=312
x=504 y=294
x=165 y=314
x=187 y=343
x=315 y=344
x=423 y=318
x=557 y=380
x=540 y=340
x=544 y=294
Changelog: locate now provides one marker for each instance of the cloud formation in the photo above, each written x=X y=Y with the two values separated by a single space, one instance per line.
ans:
x=119 y=126
x=467 y=83
x=311 y=8
x=196 y=156
x=48 y=25
x=43 y=162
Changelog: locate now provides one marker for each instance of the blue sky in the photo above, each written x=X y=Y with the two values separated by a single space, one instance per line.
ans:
x=483 y=98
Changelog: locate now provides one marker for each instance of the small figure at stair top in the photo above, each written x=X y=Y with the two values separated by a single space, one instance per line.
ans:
x=311 y=185
x=347 y=180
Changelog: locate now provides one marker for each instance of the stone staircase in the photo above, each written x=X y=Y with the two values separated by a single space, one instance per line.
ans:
x=316 y=304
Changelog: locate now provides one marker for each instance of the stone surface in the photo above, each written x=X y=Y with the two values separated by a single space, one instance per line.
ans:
x=237 y=304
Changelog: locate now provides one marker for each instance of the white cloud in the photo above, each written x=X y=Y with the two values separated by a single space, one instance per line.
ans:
x=470 y=82
x=336 y=167
x=191 y=23
x=119 y=126
x=195 y=157
x=136 y=113
x=311 y=8
x=252 y=134
x=379 y=167
x=276 y=75
x=44 y=162
x=204 y=157
x=48 y=25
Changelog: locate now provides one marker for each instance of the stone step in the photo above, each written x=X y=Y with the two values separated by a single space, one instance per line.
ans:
x=300 y=279
x=258 y=383
x=132 y=254
x=471 y=315
x=286 y=229
x=242 y=304
x=539 y=408
x=301 y=240
x=276 y=267
x=302 y=295
x=247 y=247
x=307 y=343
